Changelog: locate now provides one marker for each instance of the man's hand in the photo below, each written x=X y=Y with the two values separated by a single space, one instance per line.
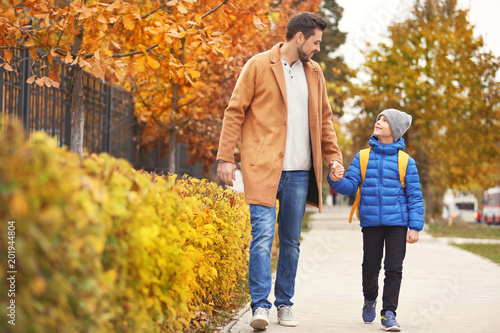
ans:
x=412 y=236
x=336 y=171
x=226 y=172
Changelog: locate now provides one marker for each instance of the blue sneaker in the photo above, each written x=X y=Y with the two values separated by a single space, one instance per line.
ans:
x=389 y=322
x=369 y=311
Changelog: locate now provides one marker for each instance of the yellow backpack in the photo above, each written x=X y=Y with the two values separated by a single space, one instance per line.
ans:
x=364 y=155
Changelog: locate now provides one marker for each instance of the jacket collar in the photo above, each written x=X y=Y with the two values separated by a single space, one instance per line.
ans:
x=387 y=149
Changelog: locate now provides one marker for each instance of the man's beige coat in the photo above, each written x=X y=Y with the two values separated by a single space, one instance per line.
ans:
x=257 y=111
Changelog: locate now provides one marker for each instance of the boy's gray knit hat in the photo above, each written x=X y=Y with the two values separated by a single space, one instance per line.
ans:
x=399 y=122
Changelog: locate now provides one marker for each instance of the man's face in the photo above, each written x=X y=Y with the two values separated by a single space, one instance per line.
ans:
x=309 y=46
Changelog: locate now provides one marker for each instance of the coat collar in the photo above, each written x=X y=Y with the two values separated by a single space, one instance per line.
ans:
x=276 y=58
x=387 y=149
x=311 y=71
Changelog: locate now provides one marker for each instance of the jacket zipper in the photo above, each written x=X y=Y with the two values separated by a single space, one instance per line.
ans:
x=381 y=173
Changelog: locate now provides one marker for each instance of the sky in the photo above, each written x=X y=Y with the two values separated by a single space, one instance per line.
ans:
x=367 y=20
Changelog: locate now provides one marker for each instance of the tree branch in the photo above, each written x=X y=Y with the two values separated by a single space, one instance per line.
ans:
x=128 y=54
x=122 y=55
x=216 y=8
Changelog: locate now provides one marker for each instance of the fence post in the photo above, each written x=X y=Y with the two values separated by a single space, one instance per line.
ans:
x=25 y=90
x=106 y=131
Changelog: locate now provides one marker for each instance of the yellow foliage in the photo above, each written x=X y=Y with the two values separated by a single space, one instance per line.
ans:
x=102 y=247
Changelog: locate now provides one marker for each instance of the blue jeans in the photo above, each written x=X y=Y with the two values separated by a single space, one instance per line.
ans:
x=292 y=193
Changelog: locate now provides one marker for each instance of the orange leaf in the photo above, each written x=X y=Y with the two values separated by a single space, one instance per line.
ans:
x=69 y=58
x=7 y=55
x=143 y=48
x=152 y=62
x=180 y=7
x=54 y=74
x=40 y=81
x=140 y=64
x=7 y=67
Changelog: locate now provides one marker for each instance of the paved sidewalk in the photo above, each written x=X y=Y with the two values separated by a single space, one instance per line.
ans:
x=444 y=289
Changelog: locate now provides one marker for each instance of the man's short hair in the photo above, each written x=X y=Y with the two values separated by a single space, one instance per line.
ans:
x=306 y=23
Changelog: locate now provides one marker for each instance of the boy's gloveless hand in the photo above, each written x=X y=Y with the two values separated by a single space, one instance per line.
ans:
x=412 y=236
x=336 y=172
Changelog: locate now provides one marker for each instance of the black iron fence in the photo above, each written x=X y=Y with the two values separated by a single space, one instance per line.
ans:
x=109 y=111
x=110 y=125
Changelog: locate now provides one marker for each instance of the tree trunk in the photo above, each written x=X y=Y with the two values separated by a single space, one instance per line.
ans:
x=77 y=107
x=172 y=140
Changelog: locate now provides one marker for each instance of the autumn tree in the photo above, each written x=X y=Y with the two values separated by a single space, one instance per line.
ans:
x=192 y=113
x=434 y=68
x=111 y=39
x=180 y=58
x=336 y=71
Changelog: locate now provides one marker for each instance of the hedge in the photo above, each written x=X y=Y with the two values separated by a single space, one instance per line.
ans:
x=101 y=247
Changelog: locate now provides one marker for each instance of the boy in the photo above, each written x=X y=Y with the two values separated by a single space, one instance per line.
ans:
x=386 y=211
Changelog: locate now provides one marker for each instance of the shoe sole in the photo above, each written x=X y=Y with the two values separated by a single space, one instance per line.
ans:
x=288 y=323
x=391 y=329
x=259 y=324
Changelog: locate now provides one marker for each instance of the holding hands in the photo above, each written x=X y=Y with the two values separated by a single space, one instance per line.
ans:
x=336 y=171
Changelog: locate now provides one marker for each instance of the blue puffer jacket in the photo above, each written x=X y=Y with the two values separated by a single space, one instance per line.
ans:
x=383 y=200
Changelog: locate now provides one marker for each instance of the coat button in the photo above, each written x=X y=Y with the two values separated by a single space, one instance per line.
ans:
x=280 y=155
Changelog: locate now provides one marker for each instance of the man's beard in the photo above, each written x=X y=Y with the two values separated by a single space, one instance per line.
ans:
x=302 y=55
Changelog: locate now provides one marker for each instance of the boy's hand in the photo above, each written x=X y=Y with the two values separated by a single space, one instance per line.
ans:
x=336 y=171
x=412 y=236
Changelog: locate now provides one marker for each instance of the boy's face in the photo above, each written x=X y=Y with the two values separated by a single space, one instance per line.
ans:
x=383 y=131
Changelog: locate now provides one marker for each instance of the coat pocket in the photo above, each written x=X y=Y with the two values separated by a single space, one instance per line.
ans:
x=256 y=155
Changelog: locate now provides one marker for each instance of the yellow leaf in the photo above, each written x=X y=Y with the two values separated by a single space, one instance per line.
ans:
x=38 y=285
x=18 y=204
x=108 y=52
x=152 y=62
x=194 y=74
x=149 y=302
x=142 y=48
x=140 y=64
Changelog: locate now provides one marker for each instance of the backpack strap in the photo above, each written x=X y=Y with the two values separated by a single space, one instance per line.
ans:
x=364 y=155
x=402 y=165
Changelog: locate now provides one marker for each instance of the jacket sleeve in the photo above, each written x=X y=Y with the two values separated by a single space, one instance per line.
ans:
x=234 y=115
x=352 y=178
x=414 y=199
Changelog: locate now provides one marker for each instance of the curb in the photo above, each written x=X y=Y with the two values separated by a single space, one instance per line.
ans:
x=235 y=319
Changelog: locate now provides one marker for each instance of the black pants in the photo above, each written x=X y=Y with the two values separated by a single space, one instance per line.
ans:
x=374 y=239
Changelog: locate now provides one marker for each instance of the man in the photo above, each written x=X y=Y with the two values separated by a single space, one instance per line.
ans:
x=280 y=108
